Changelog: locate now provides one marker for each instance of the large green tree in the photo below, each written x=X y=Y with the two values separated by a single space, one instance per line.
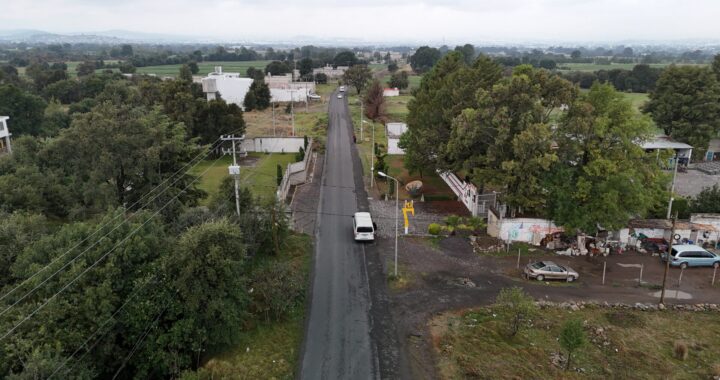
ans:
x=445 y=91
x=686 y=105
x=357 y=76
x=25 y=110
x=424 y=59
x=603 y=177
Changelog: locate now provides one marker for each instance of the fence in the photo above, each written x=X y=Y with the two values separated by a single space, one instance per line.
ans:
x=295 y=173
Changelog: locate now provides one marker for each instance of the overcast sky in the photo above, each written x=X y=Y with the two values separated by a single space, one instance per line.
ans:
x=379 y=20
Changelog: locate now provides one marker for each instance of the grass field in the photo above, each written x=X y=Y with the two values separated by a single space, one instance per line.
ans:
x=625 y=66
x=639 y=345
x=260 y=178
x=205 y=68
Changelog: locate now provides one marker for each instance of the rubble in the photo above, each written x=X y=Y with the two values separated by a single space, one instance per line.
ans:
x=575 y=306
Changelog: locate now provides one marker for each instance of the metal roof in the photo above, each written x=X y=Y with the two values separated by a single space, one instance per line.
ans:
x=664 y=143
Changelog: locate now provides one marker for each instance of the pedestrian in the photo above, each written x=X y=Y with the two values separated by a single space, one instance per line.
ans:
x=354 y=139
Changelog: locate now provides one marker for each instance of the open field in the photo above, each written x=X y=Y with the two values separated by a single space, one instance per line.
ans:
x=205 y=67
x=260 y=177
x=270 y=350
x=396 y=107
x=625 y=66
x=631 y=345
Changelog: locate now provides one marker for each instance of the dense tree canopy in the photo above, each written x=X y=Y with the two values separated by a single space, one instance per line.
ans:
x=25 y=110
x=686 y=105
x=425 y=58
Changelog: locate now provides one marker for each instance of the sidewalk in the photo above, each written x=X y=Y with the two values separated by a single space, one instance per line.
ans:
x=305 y=200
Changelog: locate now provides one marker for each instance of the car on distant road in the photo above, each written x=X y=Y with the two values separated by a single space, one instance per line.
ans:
x=342 y=88
x=548 y=270
x=690 y=255
x=339 y=96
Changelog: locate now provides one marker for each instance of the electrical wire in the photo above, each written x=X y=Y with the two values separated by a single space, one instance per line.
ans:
x=104 y=255
x=100 y=229
x=139 y=342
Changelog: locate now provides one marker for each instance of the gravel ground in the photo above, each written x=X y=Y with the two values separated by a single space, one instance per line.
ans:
x=691 y=183
x=305 y=199
x=383 y=212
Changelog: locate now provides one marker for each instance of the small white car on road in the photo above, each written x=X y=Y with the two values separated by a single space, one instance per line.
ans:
x=342 y=88
x=363 y=227
x=340 y=96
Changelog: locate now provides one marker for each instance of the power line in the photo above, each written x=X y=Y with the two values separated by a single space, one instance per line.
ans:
x=84 y=344
x=139 y=342
x=98 y=230
x=104 y=255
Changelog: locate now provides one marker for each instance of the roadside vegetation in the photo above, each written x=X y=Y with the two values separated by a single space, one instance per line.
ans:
x=603 y=342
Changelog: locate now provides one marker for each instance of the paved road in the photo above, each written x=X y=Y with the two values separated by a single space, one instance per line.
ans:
x=338 y=343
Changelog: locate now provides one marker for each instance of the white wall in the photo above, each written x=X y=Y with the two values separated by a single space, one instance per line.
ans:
x=528 y=230
x=231 y=88
x=283 y=95
x=393 y=147
x=273 y=144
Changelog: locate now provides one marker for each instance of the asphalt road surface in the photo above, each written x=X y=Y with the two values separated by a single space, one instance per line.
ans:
x=338 y=342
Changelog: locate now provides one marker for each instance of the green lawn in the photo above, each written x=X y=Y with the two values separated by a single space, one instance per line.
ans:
x=205 y=67
x=631 y=345
x=396 y=107
x=589 y=67
x=637 y=99
x=261 y=179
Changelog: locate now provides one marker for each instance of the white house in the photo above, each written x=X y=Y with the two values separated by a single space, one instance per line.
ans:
x=391 y=92
x=393 y=132
x=5 y=146
x=230 y=86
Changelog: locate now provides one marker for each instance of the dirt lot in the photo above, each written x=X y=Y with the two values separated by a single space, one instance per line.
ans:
x=438 y=275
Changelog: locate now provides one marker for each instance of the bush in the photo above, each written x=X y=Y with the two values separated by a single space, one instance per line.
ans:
x=572 y=337
x=452 y=220
x=434 y=229
x=277 y=289
x=516 y=308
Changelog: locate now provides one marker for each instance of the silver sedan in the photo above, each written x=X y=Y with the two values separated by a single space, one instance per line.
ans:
x=548 y=270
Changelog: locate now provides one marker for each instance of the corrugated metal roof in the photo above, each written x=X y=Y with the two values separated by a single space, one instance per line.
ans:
x=664 y=142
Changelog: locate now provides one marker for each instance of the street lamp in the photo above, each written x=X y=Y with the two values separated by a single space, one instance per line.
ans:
x=372 y=155
x=397 y=206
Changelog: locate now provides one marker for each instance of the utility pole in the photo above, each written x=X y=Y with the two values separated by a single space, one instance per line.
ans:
x=361 y=120
x=292 y=111
x=234 y=169
x=672 y=187
x=667 y=263
x=372 y=158
x=273 y=117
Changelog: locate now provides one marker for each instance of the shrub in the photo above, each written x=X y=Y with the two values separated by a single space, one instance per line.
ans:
x=681 y=350
x=516 y=308
x=572 y=337
x=434 y=229
x=452 y=220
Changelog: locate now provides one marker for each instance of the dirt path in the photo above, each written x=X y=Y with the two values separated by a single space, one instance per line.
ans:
x=437 y=277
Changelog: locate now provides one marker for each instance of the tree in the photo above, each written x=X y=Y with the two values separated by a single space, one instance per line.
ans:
x=116 y=153
x=86 y=68
x=194 y=68
x=444 y=92
x=126 y=50
x=393 y=67
x=305 y=66
x=686 y=105
x=321 y=78
x=399 y=80
x=707 y=201
x=515 y=308
x=185 y=74
x=716 y=66
x=357 y=76
x=374 y=101
x=468 y=51
x=345 y=58
x=262 y=95
x=127 y=67
x=250 y=102
x=278 y=174
x=216 y=118
x=603 y=177
x=576 y=54
x=424 y=59
x=25 y=110
x=55 y=119
x=66 y=91
x=277 y=68
x=254 y=73
x=572 y=337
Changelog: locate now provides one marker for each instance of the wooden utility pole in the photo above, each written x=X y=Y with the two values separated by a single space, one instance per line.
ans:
x=669 y=257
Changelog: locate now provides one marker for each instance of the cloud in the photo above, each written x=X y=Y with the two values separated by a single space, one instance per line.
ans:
x=425 y=20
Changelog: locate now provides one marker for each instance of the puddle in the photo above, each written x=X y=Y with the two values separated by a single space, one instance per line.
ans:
x=674 y=294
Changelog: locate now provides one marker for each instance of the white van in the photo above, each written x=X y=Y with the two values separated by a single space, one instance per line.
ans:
x=342 y=88
x=363 y=227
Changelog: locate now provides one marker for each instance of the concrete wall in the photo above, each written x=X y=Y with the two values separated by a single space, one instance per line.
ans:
x=273 y=144
x=528 y=230
x=231 y=88
x=393 y=147
x=391 y=92
x=285 y=95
